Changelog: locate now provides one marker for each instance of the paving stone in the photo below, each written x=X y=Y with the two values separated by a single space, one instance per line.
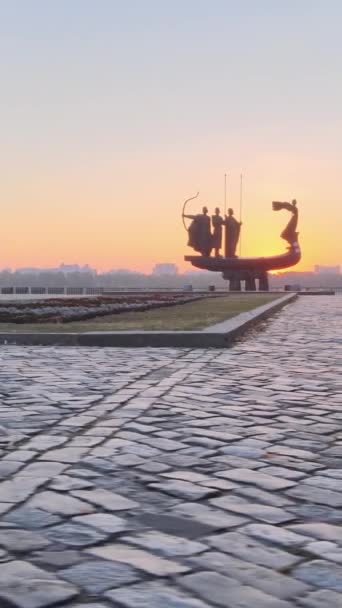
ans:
x=59 y=503
x=251 y=550
x=180 y=460
x=187 y=476
x=68 y=455
x=274 y=534
x=8 y=468
x=326 y=550
x=44 y=442
x=333 y=473
x=129 y=460
x=99 y=464
x=267 y=580
x=4 y=507
x=238 y=462
x=316 y=495
x=210 y=586
x=272 y=515
x=254 y=443
x=243 y=451
x=267 y=482
x=153 y=595
x=284 y=472
x=324 y=482
x=33 y=519
x=208 y=516
x=319 y=530
x=96 y=605
x=336 y=450
x=274 y=499
x=19 y=488
x=314 y=512
x=26 y=586
x=295 y=463
x=204 y=441
x=219 y=589
x=166 y=544
x=168 y=445
x=219 y=484
x=320 y=573
x=75 y=535
x=153 y=467
x=108 y=500
x=177 y=525
x=321 y=599
x=64 y=483
x=22 y=540
x=103 y=521
x=46 y=470
x=83 y=473
x=96 y=576
x=280 y=449
x=137 y=558
x=21 y=455
x=78 y=421
x=57 y=559
x=183 y=489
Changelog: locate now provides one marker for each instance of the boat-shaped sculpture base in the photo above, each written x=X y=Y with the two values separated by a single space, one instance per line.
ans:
x=248 y=270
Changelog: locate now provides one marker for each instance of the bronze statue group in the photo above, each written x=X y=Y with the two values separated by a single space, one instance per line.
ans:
x=205 y=235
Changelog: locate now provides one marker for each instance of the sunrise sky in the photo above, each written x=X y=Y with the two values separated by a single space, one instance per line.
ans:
x=113 y=112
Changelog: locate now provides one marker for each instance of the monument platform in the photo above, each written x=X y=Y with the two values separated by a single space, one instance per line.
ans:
x=247 y=269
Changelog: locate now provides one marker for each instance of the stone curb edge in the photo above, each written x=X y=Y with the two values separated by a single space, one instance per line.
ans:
x=220 y=335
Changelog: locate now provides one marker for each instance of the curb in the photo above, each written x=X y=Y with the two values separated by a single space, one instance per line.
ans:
x=219 y=335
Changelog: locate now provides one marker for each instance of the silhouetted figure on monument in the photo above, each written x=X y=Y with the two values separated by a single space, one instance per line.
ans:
x=217 y=223
x=289 y=234
x=232 y=234
x=200 y=238
x=252 y=271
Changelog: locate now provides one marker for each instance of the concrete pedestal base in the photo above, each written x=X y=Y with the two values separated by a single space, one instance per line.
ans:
x=250 y=277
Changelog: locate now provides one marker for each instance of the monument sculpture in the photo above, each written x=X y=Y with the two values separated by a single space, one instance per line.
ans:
x=233 y=228
x=238 y=269
x=289 y=233
x=217 y=223
x=200 y=237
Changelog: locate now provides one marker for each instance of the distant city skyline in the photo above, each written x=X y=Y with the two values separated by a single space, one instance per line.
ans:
x=113 y=113
x=158 y=269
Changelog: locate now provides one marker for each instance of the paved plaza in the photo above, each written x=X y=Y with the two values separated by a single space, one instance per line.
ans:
x=176 y=478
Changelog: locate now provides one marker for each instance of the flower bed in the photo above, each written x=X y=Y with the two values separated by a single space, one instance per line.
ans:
x=65 y=310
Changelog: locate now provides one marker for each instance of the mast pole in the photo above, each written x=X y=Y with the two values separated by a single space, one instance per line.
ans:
x=240 y=209
x=225 y=193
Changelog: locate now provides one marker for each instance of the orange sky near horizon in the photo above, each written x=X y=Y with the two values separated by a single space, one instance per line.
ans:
x=108 y=125
x=109 y=219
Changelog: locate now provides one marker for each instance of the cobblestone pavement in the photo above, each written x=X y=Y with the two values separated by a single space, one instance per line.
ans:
x=166 y=478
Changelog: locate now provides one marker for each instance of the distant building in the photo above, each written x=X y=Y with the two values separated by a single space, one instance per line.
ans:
x=327 y=269
x=162 y=269
x=28 y=270
x=64 y=268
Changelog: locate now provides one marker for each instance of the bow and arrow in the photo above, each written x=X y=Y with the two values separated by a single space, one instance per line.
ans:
x=184 y=206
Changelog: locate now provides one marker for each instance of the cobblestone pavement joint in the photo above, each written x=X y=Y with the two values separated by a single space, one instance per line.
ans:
x=176 y=478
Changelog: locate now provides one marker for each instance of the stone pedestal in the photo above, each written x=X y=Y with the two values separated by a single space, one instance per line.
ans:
x=235 y=277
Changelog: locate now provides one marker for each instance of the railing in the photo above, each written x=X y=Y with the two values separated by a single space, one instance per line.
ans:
x=94 y=291
x=80 y=291
x=56 y=291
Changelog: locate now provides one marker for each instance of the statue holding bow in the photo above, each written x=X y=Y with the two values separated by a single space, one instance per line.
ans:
x=200 y=238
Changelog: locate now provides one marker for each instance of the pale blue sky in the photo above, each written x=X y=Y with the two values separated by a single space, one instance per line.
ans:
x=172 y=92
